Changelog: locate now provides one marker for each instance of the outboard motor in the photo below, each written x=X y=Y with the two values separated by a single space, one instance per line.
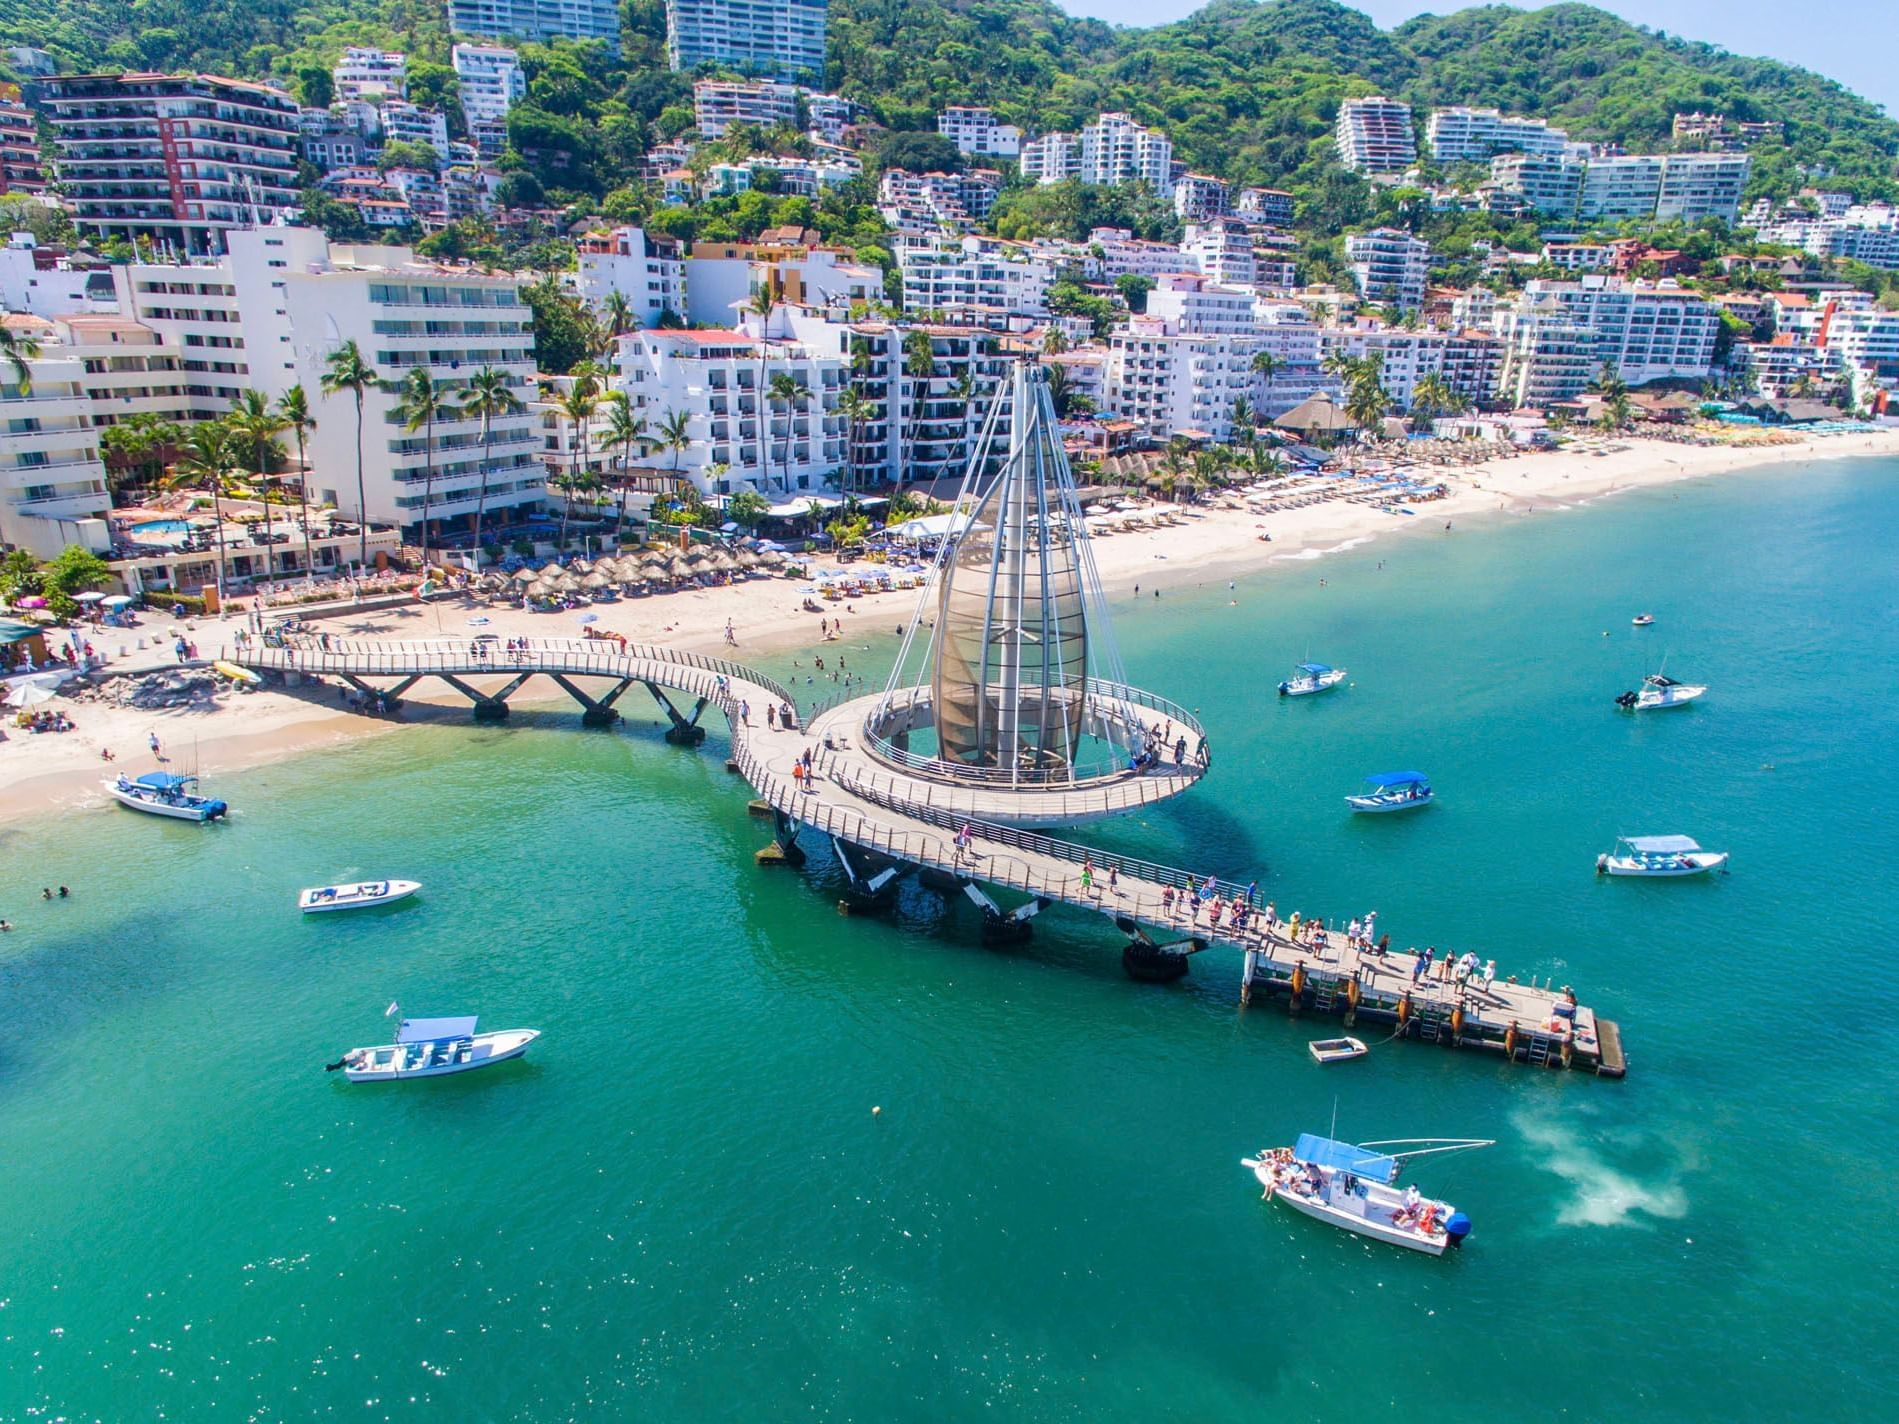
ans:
x=1456 y=1228
x=215 y=811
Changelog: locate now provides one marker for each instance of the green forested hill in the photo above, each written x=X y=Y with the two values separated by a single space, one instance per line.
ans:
x=1246 y=88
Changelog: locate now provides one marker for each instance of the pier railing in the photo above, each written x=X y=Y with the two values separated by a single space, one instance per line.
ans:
x=1129 y=793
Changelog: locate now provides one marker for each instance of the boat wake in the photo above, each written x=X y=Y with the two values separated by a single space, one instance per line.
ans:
x=1604 y=1196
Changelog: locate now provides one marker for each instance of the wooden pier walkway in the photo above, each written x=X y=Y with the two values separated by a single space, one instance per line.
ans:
x=881 y=835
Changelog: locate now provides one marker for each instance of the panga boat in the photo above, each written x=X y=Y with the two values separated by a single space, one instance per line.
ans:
x=1659 y=691
x=1353 y=1186
x=356 y=897
x=1662 y=856
x=1642 y=620
x=433 y=1048
x=1336 y=1050
x=162 y=793
x=1393 y=791
x=1309 y=678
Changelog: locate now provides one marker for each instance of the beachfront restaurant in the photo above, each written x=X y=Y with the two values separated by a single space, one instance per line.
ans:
x=158 y=553
x=22 y=646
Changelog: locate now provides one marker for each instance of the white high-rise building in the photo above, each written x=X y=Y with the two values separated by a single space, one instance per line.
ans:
x=403 y=122
x=1389 y=267
x=492 y=81
x=717 y=104
x=1465 y=135
x=540 y=20
x=1647 y=331
x=1375 y=136
x=1550 y=184
x=772 y=39
x=1051 y=158
x=52 y=482
x=1114 y=149
x=1468 y=362
x=1198 y=197
x=650 y=275
x=975 y=130
x=976 y=275
x=1222 y=249
x=1622 y=187
x=1701 y=185
x=373 y=74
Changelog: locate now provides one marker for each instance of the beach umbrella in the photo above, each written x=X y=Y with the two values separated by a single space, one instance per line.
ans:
x=32 y=694
x=526 y=575
x=119 y=600
x=88 y=598
x=599 y=578
x=747 y=558
x=580 y=566
x=33 y=602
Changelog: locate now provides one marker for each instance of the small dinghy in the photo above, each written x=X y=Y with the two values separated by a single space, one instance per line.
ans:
x=1393 y=791
x=356 y=897
x=433 y=1048
x=1353 y=1186
x=1309 y=678
x=1642 y=620
x=1336 y=1050
x=1659 y=857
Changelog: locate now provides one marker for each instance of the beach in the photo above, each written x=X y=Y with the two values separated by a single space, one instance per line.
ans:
x=1219 y=540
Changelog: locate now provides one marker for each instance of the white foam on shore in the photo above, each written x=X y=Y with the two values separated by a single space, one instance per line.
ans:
x=1603 y=1195
x=1306 y=555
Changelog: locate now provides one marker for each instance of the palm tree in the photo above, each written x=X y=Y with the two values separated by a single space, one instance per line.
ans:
x=857 y=410
x=17 y=349
x=346 y=370
x=1434 y=396
x=488 y=397
x=258 y=424
x=618 y=313
x=762 y=305
x=624 y=429
x=919 y=364
x=1243 y=419
x=208 y=459
x=293 y=407
x=577 y=405
x=675 y=434
x=787 y=390
x=1061 y=388
x=1265 y=365
x=421 y=403
x=1053 y=341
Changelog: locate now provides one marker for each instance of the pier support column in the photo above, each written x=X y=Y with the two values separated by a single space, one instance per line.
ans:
x=784 y=848
x=1150 y=962
x=487 y=707
x=870 y=877
x=1000 y=927
x=594 y=712
x=685 y=731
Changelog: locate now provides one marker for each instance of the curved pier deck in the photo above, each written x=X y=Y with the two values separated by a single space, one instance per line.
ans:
x=883 y=828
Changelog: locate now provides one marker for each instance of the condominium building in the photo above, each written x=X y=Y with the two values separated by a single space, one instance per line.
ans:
x=1222 y=249
x=1695 y=186
x=373 y=74
x=1375 y=136
x=403 y=122
x=924 y=202
x=1468 y=362
x=1389 y=267
x=1173 y=382
x=405 y=314
x=1547 y=356
x=1115 y=149
x=52 y=482
x=1051 y=158
x=179 y=158
x=40 y=283
x=717 y=104
x=20 y=170
x=330 y=141
x=540 y=20
x=1122 y=253
x=777 y=39
x=1198 y=197
x=649 y=273
x=1195 y=305
x=974 y=130
x=1465 y=135
x=1550 y=184
x=1266 y=205
x=1646 y=331
x=491 y=81
x=977 y=275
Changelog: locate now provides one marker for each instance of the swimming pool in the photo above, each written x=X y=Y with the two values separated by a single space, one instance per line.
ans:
x=154 y=527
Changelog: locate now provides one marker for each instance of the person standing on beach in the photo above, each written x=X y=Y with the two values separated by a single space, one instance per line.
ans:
x=152 y=739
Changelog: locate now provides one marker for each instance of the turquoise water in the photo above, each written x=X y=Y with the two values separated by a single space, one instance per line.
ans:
x=162 y=526
x=681 y=1204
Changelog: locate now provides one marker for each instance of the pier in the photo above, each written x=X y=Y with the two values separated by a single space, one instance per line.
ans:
x=884 y=828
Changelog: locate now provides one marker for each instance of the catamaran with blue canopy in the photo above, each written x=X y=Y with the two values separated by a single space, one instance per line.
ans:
x=1393 y=791
x=432 y=1048
x=165 y=793
x=1354 y=1185
x=1309 y=678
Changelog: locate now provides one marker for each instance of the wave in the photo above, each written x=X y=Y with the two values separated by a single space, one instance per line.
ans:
x=1603 y=1195
x=1307 y=555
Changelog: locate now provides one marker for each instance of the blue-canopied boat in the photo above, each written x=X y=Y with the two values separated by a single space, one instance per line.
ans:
x=1394 y=791
x=434 y=1048
x=164 y=793
x=1309 y=678
x=1353 y=1186
x=1659 y=857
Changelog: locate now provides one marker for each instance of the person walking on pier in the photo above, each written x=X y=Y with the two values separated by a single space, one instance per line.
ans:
x=1114 y=880
x=1268 y=920
x=771 y=717
x=1087 y=875
x=745 y=712
x=1422 y=966
x=1167 y=901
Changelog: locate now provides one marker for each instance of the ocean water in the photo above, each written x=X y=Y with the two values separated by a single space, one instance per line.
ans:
x=681 y=1206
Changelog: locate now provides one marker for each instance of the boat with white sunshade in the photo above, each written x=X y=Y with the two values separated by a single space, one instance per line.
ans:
x=433 y=1048
x=1660 y=857
x=164 y=793
x=1353 y=1186
x=1659 y=692
x=1393 y=791
x=356 y=897
x=1309 y=678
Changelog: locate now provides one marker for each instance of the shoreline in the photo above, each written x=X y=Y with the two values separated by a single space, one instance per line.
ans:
x=62 y=771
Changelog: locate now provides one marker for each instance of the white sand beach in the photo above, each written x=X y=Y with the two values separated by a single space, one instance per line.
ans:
x=55 y=771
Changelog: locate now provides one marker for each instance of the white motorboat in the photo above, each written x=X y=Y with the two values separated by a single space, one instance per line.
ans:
x=1643 y=620
x=1393 y=791
x=1659 y=691
x=163 y=793
x=1309 y=678
x=356 y=897
x=433 y=1048
x=1353 y=1186
x=1661 y=857
x=1336 y=1050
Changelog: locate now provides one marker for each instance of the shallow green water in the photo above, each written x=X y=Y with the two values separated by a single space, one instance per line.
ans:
x=681 y=1205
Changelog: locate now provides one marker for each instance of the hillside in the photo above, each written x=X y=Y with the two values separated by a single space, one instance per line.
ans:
x=1245 y=88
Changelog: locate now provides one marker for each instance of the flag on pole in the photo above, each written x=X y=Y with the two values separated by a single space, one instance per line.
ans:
x=390 y=1012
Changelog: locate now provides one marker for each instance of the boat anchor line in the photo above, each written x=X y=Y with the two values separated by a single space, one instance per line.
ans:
x=1526 y=1023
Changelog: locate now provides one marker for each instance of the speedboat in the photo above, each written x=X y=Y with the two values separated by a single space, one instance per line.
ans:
x=1336 y=1050
x=1353 y=1186
x=1660 y=857
x=356 y=897
x=1657 y=692
x=1309 y=678
x=163 y=793
x=1642 y=620
x=1393 y=791
x=433 y=1048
